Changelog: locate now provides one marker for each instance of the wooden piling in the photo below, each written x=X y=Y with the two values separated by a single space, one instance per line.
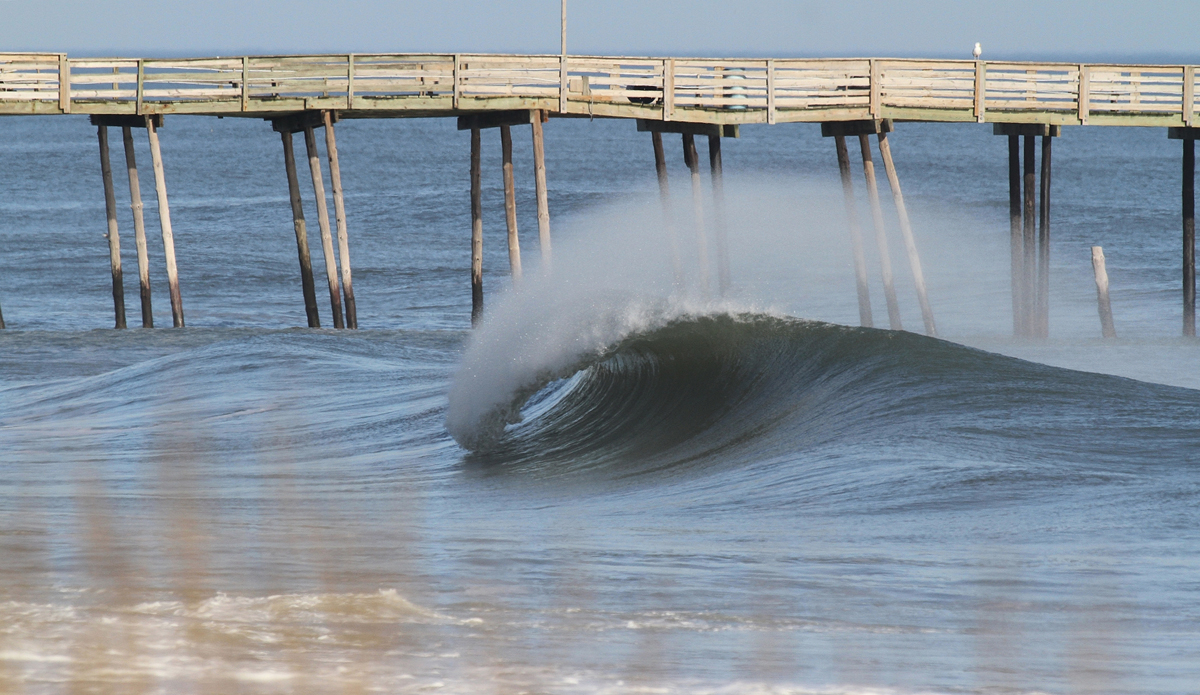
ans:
x=856 y=242
x=664 y=194
x=2 y=326
x=510 y=204
x=1189 y=237
x=718 y=184
x=114 y=238
x=139 y=227
x=1105 y=307
x=306 y=272
x=164 y=219
x=1029 y=239
x=539 y=183
x=692 y=160
x=339 y=211
x=331 y=273
x=1017 y=243
x=910 y=244
x=476 y=230
x=1043 y=268
x=885 y=254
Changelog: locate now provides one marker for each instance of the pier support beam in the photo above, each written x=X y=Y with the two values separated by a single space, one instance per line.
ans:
x=339 y=209
x=127 y=124
x=139 y=227
x=1016 y=243
x=331 y=272
x=856 y=242
x=718 y=184
x=1188 y=136
x=536 y=118
x=1029 y=237
x=664 y=194
x=503 y=120
x=510 y=204
x=306 y=273
x=692 y=161
x=1102 y=301
x=910 y=243
x=307 y=122
x=164 y=219
x=840 y=131
x=476 y=229
x=881 y=242
x=1029 y=226
x=689 y=131
x=1043 y=270
x=114 y=238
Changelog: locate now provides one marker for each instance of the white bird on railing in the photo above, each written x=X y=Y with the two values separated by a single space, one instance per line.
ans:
x=978 y=50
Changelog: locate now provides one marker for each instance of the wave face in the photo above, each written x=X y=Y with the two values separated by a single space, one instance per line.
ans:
x=753 y=390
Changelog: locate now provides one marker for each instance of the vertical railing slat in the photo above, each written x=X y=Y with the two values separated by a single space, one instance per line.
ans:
x=668 y=89
x=875 y=89
x=1083 y=93
x=245 y=83
x=771 y=92
x=980 y=90
x=1189 y=94
x=141 y=71
x=457 y=62
x=64 y=83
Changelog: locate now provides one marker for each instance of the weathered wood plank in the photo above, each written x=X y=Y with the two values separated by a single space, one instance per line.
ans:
x=164 y=218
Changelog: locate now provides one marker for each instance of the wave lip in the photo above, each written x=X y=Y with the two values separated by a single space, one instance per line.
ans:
x=710 y=379
x=695 y=390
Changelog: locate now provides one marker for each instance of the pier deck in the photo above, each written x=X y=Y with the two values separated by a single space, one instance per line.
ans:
x=697 y=90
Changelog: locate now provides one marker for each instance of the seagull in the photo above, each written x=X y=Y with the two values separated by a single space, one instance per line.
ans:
x=978 y=50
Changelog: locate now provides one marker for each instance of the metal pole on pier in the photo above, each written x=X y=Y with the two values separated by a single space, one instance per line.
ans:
x=114 y=238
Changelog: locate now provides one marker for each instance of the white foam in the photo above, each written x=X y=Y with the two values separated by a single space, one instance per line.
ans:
x=611 y=279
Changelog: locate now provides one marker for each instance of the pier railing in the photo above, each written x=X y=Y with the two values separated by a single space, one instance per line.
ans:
x=696 y=90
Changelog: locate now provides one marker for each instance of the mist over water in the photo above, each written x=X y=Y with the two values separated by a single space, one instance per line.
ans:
x=621 y=481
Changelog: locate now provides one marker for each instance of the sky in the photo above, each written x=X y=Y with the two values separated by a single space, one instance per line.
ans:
x=1158 y=30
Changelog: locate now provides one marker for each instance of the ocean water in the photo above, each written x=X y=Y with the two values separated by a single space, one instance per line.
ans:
x=619 y=482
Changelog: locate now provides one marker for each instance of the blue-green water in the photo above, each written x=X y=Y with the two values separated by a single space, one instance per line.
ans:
x=665 y=491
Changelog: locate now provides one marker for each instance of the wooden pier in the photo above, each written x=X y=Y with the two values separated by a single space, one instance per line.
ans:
x=690 y=96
